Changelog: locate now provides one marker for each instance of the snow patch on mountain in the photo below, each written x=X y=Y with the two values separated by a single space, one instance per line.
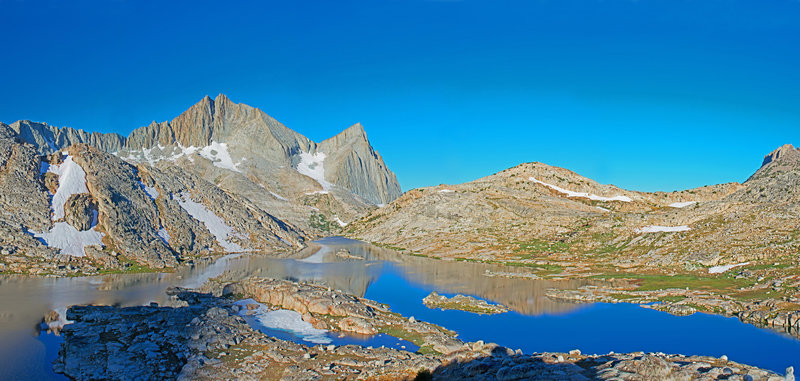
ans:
x=682 y=204
x=71 y=180
x=312 y=166
x=217 y=226
x=151 y=191
x=279 y=197
x=722 y=269
x=69 y=240
x=164 y=234
x=663 y=229
x=218 y=154
x=590 y=196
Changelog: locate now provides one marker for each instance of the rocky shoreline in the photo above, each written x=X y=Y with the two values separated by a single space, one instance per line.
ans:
x=462 y=303
x=778 y=314
x=200 y=336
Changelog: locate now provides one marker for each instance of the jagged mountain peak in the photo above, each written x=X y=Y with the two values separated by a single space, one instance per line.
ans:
x=350 y=135
x=782 y=153
x=247 y=138
x=784 y=159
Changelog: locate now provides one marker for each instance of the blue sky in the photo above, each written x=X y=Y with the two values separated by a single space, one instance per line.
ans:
x=648 y=95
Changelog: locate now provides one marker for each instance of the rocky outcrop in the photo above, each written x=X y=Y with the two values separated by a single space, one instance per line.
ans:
x=776 y=182
x=331 y=309
x=24 y=204
x=200 y=337
x=462 y=303
x=255 y=228
x=784 y=158
x=23 y=199
x=126 y=213
x=111 y=343
x=80 y=211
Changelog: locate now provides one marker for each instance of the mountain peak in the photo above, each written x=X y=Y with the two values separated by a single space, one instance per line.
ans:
x=785 y=158
x=355 y=130
x=782 y=153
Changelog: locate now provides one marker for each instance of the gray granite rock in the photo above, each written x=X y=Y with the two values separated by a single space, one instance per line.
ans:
x=80 y=211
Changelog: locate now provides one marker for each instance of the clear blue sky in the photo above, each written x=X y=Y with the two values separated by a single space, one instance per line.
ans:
x=649 y=94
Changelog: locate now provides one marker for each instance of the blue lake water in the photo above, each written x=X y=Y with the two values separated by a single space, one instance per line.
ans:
x=535 y=324
x=598 y=328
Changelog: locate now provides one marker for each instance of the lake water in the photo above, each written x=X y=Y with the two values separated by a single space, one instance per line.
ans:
x=535 y=324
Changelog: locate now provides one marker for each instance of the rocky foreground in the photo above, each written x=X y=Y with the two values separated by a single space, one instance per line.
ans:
x=202 y=336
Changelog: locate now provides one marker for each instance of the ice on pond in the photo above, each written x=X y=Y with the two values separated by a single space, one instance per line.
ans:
x=284 y=320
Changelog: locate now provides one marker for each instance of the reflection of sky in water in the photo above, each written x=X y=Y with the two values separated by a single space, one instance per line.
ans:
x=597 y=328
x=535 y=323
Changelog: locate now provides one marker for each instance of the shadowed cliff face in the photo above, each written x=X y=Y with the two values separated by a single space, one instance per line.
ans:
x=355 y=165
x=778 y=179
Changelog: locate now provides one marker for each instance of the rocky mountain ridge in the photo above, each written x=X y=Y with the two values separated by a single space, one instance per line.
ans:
x=243 y=133
x=221 y=177
x=84 y=210
x=538 y=215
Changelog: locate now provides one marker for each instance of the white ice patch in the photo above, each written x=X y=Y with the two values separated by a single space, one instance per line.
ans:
x=284 y=320
x=682 y=204
x=590 y=196
x=184 y=151
x=279 y=197
x=340 y=222
x=147 y=155
x=71 y=241
x=221 y=231
x=665 y=229
x=722 y=269
x=71 y=180
x=602 y=209
x=311 y=166
x=218 y=154
x=445 y=191
x=164 y=234
x=151 y=191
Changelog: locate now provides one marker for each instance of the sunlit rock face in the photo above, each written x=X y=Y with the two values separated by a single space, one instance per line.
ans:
x=220 y=177
x=236 y=137
x=542 y=216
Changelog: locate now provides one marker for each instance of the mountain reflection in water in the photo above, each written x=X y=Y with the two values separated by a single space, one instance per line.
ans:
x=24 y=300
x=535 y=323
